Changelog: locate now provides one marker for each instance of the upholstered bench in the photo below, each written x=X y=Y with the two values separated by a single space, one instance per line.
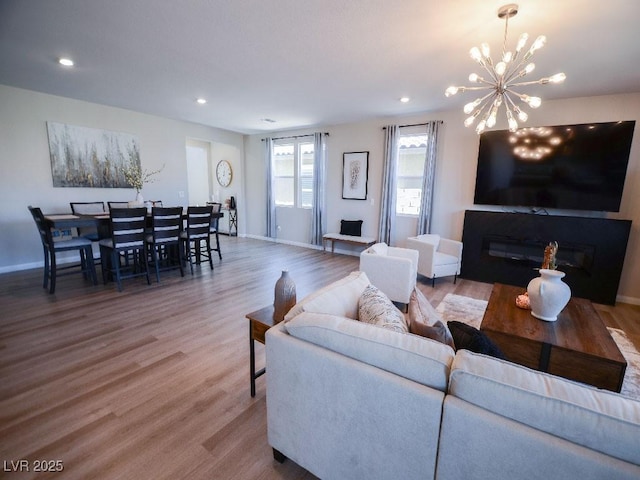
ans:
x=351 y=239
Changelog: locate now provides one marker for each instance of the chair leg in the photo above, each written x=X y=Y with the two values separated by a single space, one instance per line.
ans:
x=208 y=247
x=455 y=277
x=154 y=254
x=433 y=282
x=53 y=272
x=145 y=254
x=115 y=260
x=91 y=264
x=218 y=245
x=45 y=280
x=104 y=263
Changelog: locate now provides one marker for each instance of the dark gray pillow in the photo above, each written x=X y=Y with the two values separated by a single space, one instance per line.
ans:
x=351 y=227
x=470 y=338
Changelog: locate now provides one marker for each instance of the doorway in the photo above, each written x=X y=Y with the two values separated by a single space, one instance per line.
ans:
x=198 y=171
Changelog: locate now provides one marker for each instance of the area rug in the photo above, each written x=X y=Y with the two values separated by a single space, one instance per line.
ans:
x=470 y=311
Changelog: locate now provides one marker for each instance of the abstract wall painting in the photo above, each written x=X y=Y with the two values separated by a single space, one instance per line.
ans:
x=89 y=157
x=355 y=173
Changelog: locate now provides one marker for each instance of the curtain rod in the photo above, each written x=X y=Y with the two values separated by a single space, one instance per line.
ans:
x=415 y=124
x=295 y=136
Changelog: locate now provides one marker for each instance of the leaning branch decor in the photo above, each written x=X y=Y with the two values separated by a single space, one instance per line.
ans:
x=136 y=177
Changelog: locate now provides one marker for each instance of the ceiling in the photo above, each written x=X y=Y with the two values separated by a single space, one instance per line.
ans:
x=303 y=63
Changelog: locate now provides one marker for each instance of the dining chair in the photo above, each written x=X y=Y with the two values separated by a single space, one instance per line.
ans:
x=88 y=208
x=117 y=205
x=164 y=241
x=197 y=237
x=51 y=248
x=214 y=226
x=127 y=236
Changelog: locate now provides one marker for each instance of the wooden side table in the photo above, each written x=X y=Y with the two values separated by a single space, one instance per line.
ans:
x=259 y=322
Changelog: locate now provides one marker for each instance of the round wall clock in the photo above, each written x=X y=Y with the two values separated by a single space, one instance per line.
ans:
x=224 y=173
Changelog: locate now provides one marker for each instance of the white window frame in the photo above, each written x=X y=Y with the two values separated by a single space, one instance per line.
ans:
x=409 y=132
x=297 y=143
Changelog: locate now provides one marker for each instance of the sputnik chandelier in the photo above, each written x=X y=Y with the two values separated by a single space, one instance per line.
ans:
x=502 y=80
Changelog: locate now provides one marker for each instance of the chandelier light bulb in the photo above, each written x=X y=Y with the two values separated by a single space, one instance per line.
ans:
x=468 y=108
x=557 y=78
x=469 y=121
x=451 y=91
x=500 y=81
x=513 y=125
x=522 y=41
x=486 y=51
x=476 y=55
x=539 y=43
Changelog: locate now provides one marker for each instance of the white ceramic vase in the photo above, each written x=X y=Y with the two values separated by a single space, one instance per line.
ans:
x=548 y=295
x=139 y=198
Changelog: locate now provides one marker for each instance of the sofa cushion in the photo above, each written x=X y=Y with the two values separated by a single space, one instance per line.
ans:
x=598 y=419
x=425 y=321
x=419 y=359
x=440 y=258
x=469 y=338
x=351 y=227
x=338 y=298
x=376 y=308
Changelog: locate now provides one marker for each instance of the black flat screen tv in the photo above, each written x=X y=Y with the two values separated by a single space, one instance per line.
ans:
x=572 y=167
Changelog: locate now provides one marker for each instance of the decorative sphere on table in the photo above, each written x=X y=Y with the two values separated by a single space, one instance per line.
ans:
x=284 y=296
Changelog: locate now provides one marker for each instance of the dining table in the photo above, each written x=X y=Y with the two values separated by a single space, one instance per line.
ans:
x=63 y=221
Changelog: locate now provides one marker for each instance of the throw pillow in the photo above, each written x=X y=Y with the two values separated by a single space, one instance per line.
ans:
x=375 y=307
x=470 y=338
x=351 y=227
x=425 y=321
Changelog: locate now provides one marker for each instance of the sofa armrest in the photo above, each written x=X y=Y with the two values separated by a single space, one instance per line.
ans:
x=450 y=247
x=339 y=418
x=426 y=253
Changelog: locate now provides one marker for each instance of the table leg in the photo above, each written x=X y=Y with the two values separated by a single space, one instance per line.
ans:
x=252 y=361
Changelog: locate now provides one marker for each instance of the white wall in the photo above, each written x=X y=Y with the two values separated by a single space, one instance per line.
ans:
x=455 y=174
x=25 y=169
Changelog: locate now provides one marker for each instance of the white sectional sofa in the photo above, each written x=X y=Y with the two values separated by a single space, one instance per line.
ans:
x=349 y=400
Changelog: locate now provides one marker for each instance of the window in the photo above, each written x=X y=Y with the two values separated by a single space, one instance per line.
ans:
x=293 y=173
x=412 y=153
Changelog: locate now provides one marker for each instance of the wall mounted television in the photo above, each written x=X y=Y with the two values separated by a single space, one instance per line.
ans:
x=572 y=167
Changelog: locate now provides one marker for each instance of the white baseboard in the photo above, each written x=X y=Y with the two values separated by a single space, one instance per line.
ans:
x=629 y=300
x=304 y=245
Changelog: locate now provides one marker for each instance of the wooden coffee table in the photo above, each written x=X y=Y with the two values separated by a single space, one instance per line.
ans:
x=577 y=346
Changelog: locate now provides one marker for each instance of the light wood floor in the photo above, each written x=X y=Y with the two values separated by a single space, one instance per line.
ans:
x=153 y=382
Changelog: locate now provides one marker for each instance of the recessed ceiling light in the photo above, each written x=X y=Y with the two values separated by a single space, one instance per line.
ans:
x=201 y=101
x=67 y=62
x=404 y=99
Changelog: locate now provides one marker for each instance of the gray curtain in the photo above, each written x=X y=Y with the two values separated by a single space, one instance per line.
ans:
x=428 y=177
x=317 y=210
x=387 y=229
x=271 y=201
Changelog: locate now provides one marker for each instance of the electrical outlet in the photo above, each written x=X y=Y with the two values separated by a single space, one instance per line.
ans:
x=278 y=228
x=181 y=194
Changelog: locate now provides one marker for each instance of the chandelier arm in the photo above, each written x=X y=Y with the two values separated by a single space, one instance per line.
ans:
x=476 y=88
x=522 y=84
x=514 y=72
x=510 y=100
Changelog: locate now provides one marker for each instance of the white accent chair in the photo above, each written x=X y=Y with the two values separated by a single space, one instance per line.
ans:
x=391 y=269
x=439 y=257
